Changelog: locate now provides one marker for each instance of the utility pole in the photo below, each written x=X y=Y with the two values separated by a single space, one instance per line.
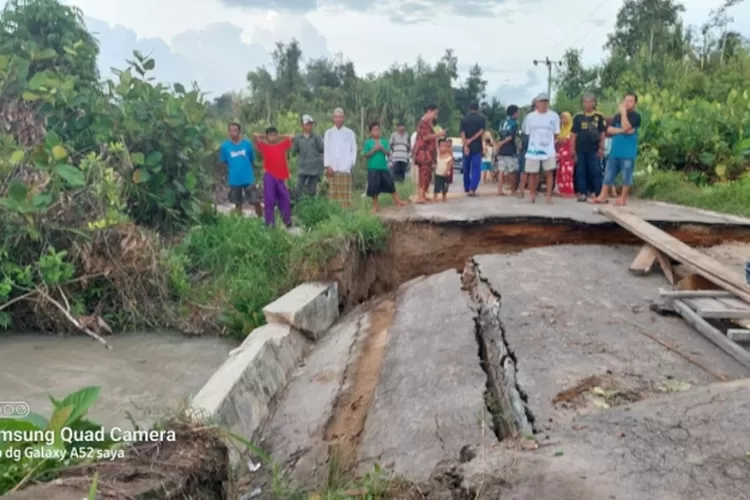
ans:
x=549 y=63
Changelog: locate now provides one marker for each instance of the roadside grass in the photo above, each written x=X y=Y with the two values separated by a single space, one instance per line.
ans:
x=405 y=191
x=230 y=267
x=732 y=197
x=338 y=485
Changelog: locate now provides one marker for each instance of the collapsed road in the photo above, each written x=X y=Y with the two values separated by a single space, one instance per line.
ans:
x=531 y=374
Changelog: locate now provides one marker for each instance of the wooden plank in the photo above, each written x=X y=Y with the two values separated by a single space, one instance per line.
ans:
x=644 y=261
x=707 y=267
x=666 y=266
x=723 y=313
x=739 y=335
x=712 y=334
x=733 y=303
x=699 y=303
x=693 y=294
x=713 y=308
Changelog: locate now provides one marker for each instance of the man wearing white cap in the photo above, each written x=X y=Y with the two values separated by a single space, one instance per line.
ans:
x=542 y=126
x=308 y=147
x=339 y=156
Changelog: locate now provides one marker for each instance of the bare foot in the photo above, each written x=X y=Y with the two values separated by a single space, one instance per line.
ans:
x=520 y=195
x=549 y=201
x=501 y=193
x=420 y=201
x=402 y=203
x=620 y=202
x=597 y=201
x=532 y=200
x=373 y=210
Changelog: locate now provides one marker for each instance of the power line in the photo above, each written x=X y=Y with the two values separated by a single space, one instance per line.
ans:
x=588 y=17
x=587 y=35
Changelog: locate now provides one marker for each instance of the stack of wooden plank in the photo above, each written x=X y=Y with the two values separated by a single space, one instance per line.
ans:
x=670 y=246
x=731 y=302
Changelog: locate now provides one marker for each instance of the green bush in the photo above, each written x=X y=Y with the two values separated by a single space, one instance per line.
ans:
x=237 y=265
x=731 y=197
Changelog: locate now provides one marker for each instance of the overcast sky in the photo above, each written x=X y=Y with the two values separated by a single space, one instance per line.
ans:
x=216 y=42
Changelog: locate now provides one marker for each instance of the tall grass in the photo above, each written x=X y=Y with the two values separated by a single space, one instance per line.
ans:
x=238 y=265
x=731 y=197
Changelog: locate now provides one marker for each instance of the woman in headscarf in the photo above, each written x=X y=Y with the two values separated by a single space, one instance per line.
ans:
x=425 y=150
x=565 y=162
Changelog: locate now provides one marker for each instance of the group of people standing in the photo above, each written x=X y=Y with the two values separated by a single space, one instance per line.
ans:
x=333 y=155
x=568 y=150
x=579 y=155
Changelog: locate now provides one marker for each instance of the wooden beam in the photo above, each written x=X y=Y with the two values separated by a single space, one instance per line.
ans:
x=648 y=256
x=712 y=334
x=644 y=261
x=693 y=294
x=739 y=335
x=707 y=267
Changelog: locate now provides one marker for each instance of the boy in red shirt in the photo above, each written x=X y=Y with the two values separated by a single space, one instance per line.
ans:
x=274 y=149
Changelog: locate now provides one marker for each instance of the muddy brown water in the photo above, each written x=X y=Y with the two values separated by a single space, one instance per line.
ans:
x=146 y=374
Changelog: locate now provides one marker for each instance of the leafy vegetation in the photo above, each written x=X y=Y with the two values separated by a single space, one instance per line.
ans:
x=106 y=187
x=691 y=87
x=100 y=181
x=33 y=448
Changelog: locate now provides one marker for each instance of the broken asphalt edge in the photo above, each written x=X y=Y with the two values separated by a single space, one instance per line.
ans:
x=243 y=391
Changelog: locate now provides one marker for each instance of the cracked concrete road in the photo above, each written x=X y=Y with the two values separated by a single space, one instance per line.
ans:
x=567 y=312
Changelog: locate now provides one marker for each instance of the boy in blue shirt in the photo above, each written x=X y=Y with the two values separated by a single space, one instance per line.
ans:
x=237 y=154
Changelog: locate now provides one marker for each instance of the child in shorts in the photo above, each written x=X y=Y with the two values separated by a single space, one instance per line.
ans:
x=379 y=177
x=444 y=168
x=274 y=148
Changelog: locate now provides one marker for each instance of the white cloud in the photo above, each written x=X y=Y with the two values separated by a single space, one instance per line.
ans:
x=504 y=43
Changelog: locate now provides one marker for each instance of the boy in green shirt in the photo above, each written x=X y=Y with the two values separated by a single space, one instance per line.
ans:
x=379 y=177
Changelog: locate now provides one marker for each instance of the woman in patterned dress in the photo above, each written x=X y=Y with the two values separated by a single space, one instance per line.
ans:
x=565 y=162
x=425 y=150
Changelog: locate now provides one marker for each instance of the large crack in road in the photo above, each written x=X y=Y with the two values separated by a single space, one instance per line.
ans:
x=506 y=401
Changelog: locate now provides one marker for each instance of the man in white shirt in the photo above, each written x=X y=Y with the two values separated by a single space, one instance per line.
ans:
x=542 y=126
x=339 y=156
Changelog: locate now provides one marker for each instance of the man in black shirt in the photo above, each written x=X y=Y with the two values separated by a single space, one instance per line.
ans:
x=473 y=126
x=589 y=132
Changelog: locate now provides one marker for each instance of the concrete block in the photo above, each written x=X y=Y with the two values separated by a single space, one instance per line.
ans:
x=311 y=308
x=240 y=394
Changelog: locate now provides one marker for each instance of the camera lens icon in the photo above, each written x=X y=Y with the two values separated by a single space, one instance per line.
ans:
x=14 y=409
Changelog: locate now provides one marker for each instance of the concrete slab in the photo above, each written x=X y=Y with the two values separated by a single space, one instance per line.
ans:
x=310 y=307
x=294 y=434
x=239 y=394
x=430 y=400
x=508 y=208
x=687 y=446
x=570 y=312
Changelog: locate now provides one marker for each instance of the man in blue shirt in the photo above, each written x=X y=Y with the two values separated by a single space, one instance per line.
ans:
x=237 y=154
x=624 y=132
